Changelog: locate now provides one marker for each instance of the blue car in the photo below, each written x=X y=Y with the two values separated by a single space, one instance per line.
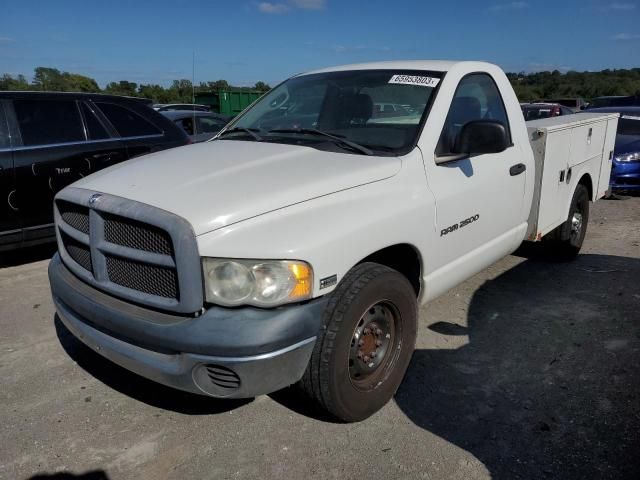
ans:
x=625 y=171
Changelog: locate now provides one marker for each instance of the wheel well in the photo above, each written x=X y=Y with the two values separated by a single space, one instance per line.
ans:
x=586 y=181
x=402 y=257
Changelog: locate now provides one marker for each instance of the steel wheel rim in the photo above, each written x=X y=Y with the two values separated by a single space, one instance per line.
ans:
x=576 y=224
x=375 y=345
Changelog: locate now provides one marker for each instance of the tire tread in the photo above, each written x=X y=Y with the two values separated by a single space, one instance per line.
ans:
x=315 y=381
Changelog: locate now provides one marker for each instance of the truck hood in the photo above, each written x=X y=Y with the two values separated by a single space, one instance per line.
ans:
x=215 y=184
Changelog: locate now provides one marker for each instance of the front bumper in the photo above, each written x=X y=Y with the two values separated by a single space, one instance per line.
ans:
x=226 y=353
x=625 y=176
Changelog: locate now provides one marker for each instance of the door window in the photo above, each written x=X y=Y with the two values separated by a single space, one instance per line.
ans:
x=95 y=129
x=209 y=125
x=4 y=130
x=126 y=122
x=186 y=124
x=45 y=122
x=477 y=98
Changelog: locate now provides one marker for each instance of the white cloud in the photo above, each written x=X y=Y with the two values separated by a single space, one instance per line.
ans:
x=626 y=36
x=309 y=4
x=622 y=6
x=508 y=6
x=284 y=7
x=5 y=40
x=266 y=7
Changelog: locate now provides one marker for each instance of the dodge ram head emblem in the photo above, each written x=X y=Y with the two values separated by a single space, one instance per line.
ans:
x=93 y=199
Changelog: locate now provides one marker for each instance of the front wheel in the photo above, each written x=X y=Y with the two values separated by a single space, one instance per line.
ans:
x=365 y=345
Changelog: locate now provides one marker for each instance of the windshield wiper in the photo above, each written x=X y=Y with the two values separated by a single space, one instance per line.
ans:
x=250 y=131
x=335 y=138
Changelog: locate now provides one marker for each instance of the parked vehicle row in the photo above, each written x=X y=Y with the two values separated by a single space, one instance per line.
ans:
x=198 y=125
x=575 y=104
x=615 y=101
x=535 y=111
x=625 y=172
x=49 y=140
x=169 y=107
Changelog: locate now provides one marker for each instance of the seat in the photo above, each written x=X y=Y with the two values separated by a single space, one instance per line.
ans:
x=345 y=110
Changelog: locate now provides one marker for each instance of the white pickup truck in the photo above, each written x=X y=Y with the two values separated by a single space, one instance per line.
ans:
x=296 y=246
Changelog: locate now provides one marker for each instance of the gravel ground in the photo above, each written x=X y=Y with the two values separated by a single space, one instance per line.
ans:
x=530 y=369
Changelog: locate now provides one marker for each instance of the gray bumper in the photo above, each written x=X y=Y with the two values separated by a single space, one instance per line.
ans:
x=93 y=317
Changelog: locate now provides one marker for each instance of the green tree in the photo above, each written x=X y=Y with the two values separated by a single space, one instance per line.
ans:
x=123 y=87
x=8 y=82
x=74 y=82
x=154 y=92
x=181 y=91
x=48 y=79
x=262 y=87
x=218 y=85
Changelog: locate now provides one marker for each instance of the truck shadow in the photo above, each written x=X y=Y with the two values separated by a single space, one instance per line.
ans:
x=137 y=387
x=548 y=383
x=92 y=475
x=22 y=256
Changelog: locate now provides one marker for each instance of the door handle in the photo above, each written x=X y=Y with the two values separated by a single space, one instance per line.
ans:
x=101 y=156
x=517 y=169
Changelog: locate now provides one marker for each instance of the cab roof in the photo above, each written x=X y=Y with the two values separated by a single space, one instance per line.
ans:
x=427 y=65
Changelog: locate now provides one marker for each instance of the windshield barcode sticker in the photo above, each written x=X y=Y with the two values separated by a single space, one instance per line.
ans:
x=415 y=80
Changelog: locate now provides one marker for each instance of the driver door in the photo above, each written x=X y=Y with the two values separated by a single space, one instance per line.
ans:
x=478 y=198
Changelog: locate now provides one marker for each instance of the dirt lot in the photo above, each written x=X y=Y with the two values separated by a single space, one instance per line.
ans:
x=531 y=369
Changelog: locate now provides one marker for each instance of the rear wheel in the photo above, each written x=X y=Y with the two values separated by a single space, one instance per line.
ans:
x=364 y=348
x=566 y=240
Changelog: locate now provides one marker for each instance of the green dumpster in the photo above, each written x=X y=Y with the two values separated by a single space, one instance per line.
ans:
x=228 y=102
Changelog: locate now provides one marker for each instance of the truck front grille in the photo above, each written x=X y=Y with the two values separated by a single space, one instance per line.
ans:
x=80 y=253
x=151 y=259
x=75 y=216
x=143 y=277
x=134 y=234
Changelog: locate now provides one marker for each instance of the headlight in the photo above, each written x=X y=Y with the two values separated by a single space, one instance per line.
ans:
x=262 y=283
x=628 y=157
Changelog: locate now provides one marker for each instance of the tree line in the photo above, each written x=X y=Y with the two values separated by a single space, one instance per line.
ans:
x=54 y=80
x=528 y=86
x=588 y=85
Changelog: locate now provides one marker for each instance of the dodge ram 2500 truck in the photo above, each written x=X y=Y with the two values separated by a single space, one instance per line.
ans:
x=296 y=246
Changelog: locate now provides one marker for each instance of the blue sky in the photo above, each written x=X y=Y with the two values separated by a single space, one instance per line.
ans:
x=246 y=41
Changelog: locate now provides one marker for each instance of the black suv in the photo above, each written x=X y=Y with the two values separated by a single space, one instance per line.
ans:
x=49 y=140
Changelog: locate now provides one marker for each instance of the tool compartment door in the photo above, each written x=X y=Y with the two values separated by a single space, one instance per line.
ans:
x=556 y=154
x=607 y=158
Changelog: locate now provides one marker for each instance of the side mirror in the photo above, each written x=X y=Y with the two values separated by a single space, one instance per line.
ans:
x=482 y=136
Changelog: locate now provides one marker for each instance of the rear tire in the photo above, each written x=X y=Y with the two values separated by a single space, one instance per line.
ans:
x=566 y=240
x=365 y=345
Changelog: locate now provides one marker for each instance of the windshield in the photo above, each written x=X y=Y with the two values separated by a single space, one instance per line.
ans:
x=533 y=113
x=629 y=124
x=380 y=110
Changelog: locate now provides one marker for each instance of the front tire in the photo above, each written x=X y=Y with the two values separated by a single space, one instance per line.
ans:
x=365 y=345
